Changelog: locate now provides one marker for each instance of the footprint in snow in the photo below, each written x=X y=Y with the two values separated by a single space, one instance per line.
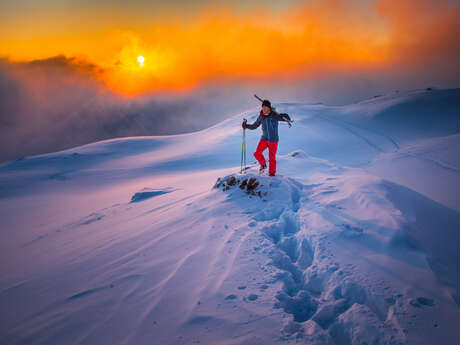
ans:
x=422 y=301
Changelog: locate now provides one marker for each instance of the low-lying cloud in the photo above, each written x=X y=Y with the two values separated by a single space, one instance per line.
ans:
x=64 y=101
x=53 y=104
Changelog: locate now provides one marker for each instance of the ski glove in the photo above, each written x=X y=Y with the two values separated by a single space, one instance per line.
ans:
x=287 y=118
x=244 y=124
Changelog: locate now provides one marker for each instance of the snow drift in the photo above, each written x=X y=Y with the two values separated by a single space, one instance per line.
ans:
x=159 y=240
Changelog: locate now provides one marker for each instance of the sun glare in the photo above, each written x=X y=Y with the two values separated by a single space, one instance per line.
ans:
x=140 y=59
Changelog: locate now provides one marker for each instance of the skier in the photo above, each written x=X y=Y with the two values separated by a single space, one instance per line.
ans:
x=269 y=120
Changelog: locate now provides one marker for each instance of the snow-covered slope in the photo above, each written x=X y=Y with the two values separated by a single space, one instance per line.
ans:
x=159 y=240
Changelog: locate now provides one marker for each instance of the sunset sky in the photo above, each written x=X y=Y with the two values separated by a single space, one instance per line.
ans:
x=77 y=71
x=186 y=43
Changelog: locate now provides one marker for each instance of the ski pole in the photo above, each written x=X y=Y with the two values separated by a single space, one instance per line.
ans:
x=243 y=151
x=244 y=136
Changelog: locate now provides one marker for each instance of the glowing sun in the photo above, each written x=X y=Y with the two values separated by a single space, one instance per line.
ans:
x=141 y=60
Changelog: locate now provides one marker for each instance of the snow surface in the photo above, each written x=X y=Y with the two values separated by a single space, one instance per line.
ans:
x=158 y=240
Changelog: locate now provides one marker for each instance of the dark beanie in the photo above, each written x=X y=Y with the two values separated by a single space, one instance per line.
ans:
x=267 y=103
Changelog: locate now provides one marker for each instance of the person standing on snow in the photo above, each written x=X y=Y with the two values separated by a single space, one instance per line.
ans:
x=269 y=120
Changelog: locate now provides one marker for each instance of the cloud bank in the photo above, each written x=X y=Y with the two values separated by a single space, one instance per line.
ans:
x=57 y=103
x=207 y=68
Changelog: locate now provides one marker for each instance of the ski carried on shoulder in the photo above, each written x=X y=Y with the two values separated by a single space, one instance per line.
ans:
x=289 y=122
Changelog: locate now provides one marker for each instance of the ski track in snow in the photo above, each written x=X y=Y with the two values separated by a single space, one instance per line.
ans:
x=348 y=126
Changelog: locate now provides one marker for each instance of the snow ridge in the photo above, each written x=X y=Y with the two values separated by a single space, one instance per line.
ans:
x=157 y=240
x=310 y=236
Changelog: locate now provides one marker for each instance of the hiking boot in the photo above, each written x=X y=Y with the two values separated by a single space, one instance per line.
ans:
x=271 y=174
x=263 y=167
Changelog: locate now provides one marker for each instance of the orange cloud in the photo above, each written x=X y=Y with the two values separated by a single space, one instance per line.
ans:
x=421 y=29
x=221 y=44
x=424 y=39
x=304 y=41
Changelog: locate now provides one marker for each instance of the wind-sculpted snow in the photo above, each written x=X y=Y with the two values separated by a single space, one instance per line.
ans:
x=147 y=193
x=159 y=240
x=345 y=297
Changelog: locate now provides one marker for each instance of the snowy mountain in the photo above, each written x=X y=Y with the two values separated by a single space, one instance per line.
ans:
x=160 y=240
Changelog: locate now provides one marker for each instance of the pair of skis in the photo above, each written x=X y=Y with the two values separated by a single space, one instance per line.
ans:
x=274 y=110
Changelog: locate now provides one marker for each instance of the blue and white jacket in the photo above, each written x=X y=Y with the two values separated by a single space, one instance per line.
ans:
x=269 y=124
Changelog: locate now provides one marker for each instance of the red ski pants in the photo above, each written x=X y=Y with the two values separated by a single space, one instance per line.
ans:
x=272 y=147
